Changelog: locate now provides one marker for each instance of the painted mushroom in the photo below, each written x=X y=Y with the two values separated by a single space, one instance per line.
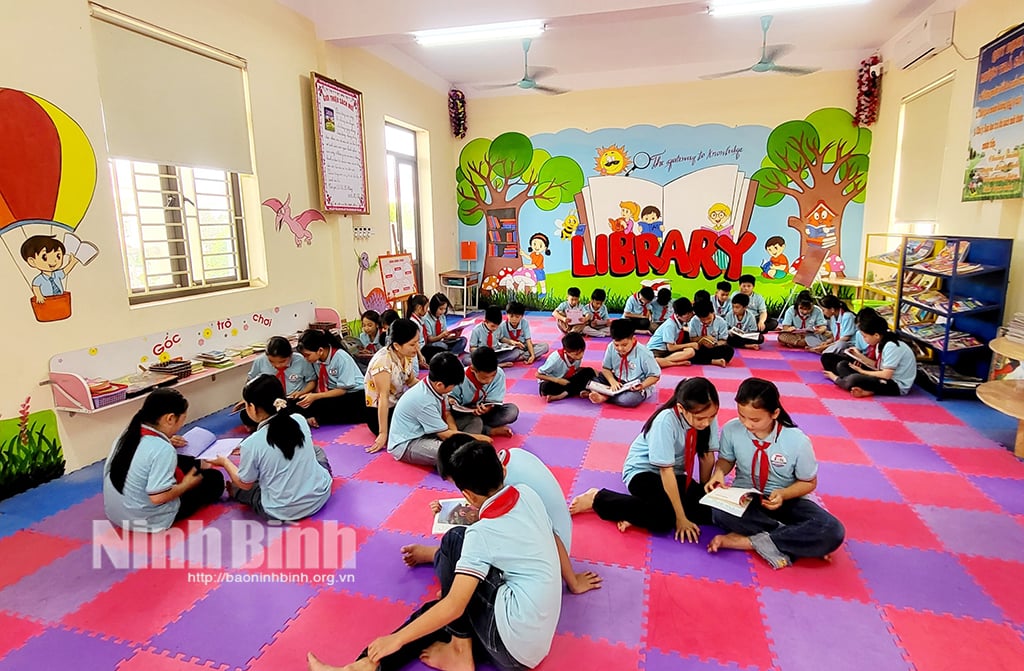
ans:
x=490 y=284
x=505 y=279
x=835 y=264
x=524 y=280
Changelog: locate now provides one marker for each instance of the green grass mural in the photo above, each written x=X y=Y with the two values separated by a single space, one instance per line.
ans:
x=30 y=451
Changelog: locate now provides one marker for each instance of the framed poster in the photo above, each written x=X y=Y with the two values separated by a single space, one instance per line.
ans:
x=398 y=275
x=340 y=146
x=997 y=131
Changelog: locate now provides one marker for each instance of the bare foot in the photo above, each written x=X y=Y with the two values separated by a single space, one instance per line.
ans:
x=363 y=664
x=414 y=555
x=730 y=542
x=857 y=392
x=585 y=394
x=754 y=346
x=454 y=656
x=556 y=397
x=507 y=364
x=721 y=363
x=501 y=432
x=583 y=502
x=623 y=525
x=830 y=375
x=313 y=424
x=597 y=398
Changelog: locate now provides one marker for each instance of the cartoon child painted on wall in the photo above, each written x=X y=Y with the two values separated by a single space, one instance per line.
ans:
x=718 y=215
x=650 y=221
x=629 y=212
x=777 y=265
x=49 y=256
x=539 y=248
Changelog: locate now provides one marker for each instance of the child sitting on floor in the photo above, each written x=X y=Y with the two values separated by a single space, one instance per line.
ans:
x=422 y=418
x=563 y=319
x=638 y=310
x=595 y=313
x=757 y=304
x=803 y=326
x=562 y=375
x=630 y=364
x=291 y=369
x=435 y=327
x=283 y=474
x=842 y=325
x=741 y=320
x=774 y=457
x=661 y=308
x=515 y=331
x=671 y=344
x=521 y=468
x=720 y=301
x=488 y=334
x=339 y=396
x=500 y=582
x=372 y=337
x=890 y=372
x=711 y=334
x=483 y=391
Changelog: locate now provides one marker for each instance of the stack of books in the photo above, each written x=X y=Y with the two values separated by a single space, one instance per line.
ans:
x=940 y=301
x=1015 y=329
x=953 y=379
x=197 y=366
x=259 y=347
x=951 y=256
x=935 y=335
x=215 y=359
x=242 y=351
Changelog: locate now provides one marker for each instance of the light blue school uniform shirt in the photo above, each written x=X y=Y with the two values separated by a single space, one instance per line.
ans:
x=721 y=308
x=811 y=322
x=716 y=329
x=665 y=335
x=756 y=304
x=50 y=285
x=556 y=366
x=664 y=445
x=860 y=343
x=514 y=535
x=790 y=455
x=371 y=345
x=898 y=357
x=151 y=472
x=471 y=395
x=659 y=312
x=525 y=468
x=634 y=306
x=297 y=375
x=639 y=364
x=600 y=314
x=564 y=305
x=342 y=372
x=418 y=413
x=746 y=324
x=519 y=334
x=418 y=321
x=481 y=337
x=290 y=489
x=843 y=325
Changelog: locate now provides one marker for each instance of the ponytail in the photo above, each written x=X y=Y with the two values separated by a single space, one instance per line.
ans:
x=764 y=395
x=158 y=403
x=283 y=432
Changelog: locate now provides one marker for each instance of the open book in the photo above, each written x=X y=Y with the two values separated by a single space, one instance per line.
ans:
x=458 y=407
x=203 y=444
x=685 y=204
x=735 y=330
x=605 y=390
x=859 y=357
x=454 y=513
x=732 y=500
x=574 y=316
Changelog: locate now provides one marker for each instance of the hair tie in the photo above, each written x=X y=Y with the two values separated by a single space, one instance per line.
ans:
x=280 y=404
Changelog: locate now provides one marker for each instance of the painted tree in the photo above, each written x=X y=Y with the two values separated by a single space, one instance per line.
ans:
x=506 y=173
x=822 y=163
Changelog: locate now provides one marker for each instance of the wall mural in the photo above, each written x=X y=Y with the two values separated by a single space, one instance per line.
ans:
x=47 y=179
x=298 y=225
x=683 y=205
x=30 y=450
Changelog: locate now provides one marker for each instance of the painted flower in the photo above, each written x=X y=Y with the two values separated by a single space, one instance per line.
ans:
x=207 y=333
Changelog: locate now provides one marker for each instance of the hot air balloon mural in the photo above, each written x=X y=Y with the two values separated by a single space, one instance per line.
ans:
x=47 y=179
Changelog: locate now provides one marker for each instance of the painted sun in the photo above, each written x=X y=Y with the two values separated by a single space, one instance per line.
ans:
x=611 y=160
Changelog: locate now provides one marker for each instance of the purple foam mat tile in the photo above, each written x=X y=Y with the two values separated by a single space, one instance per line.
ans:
x=794 y=389
x=525 y=423
x=346 y=460
x=668 y=661
x=329 y=434
x=234 y=621
x=693 y=559
x=621 y=593
x=75 y=522
x=556 y=451
x=573 y=407
x=61 y=586
x=229 y=535
x=618 y=430
x=363 y=504
x=380 y=572
x=950 y=435
x=768 y=364
x=855 y=481
x=850 y=407
x=820 y=425
x=587 y=478
x=975 y=532
x=528 y=386
x=811 y=376
x=61 y=649
x=921 y=579
x=734 y=371
x=814 y=632
x=1007 y=493
x=911 y=456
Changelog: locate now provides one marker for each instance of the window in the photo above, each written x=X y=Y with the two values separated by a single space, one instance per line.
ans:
x=182 y=228
x=403 y=193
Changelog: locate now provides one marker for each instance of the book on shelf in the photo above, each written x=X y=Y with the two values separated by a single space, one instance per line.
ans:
x=1015 y=329
x=949 y=257
x=917 y=251
x=951 y=377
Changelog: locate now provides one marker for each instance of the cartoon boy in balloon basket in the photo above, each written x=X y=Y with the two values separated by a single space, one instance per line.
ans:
x=54 y=262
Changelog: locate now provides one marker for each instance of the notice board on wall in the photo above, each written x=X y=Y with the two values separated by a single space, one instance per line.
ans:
x=398 y=275
x=340 y=146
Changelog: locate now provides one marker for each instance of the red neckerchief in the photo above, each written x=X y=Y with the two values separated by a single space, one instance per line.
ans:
x=690 y=450
x=682 y=333
x=372 y=346
x=759 y=467
x=703 y=329
x=803 y=321
x=838 y=317
x=646 y=310
x=321 y=378
x=444 y=405
x=500 y=504
x=281 y=377
x=871 y=353
x=437 y=325
x=624 y=363
x=479 y=395
x=514 y=333
x=569 y=364
x=423 y=327
x=504 y=456
x=179 y=474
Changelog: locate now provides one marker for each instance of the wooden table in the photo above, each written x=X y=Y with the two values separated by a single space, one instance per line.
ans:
x=1007 y=396
x=466 y=281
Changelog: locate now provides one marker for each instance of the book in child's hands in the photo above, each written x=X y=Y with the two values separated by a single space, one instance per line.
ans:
x=732 y=500
x=859 y=357
x=454 y=513
x=502 y=347
x=605 y=390
x=735 y=330
x=458 y=407
x=203 y=444
x=574 y=316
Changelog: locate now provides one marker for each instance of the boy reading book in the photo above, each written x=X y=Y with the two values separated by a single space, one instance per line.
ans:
x=569 y=316
x=743 y=333
x=638 y=311
x=720 y=300
x=671 y=344
x=482 y=393
x=757 y=305
x=711 y=334
x=515 y=331
x=627 y=363
x=562 y=375
x=488 y=334
x=596 y=315
x=661 y=308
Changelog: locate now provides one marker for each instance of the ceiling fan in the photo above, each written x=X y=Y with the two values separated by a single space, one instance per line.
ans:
x=769 y=54
x=530 y=77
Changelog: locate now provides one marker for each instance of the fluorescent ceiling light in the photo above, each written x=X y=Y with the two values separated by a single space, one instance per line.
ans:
x=744 y=7
x=489 y=32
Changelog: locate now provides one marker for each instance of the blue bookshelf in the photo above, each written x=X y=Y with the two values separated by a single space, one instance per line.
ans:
x=978 y=273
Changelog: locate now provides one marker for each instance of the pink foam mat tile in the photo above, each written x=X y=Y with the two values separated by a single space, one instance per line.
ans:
x=837 y=577
x=26 y=552
x=605 y=456
x=950 y=490
x=996 y=462
x=1002 y=580
x=568 y=652
x=929 y=640
x=15 y=632
x=882 y=522
x=842 y=450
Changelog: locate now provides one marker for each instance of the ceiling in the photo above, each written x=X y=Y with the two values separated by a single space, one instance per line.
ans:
x=596 y=44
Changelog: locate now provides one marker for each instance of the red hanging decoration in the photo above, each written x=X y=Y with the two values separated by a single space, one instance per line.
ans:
x=869 y=91
x=457 y=112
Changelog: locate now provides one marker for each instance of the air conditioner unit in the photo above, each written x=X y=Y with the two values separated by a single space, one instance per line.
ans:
x=924 y=39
